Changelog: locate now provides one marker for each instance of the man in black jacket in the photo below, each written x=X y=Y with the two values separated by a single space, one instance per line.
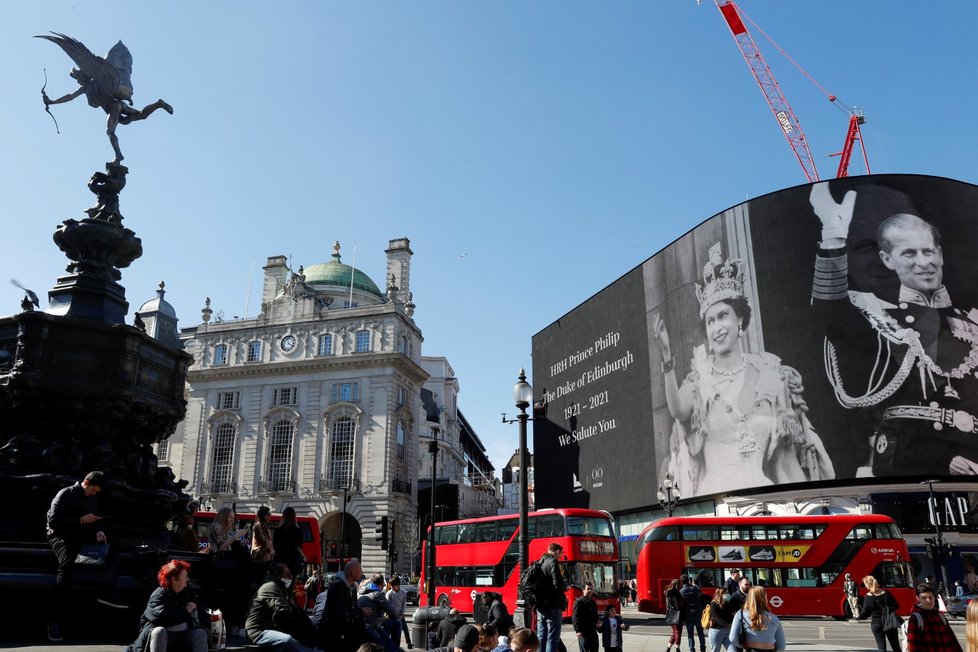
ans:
x=274 y=619
x=341 y=625
x=585 y=619
x=498 y=616
x=72 y=521
x=448 y=627
x=551 y=600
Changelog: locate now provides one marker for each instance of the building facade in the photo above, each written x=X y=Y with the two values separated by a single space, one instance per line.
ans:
x=312 y=404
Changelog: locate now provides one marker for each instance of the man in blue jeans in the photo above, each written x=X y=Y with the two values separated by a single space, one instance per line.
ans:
x=693 y=606
x=551 y=601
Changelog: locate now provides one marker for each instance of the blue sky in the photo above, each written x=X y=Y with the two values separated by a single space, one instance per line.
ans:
x=532 y=152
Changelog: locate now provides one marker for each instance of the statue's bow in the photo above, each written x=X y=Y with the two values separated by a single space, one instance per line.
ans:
x=47 y=107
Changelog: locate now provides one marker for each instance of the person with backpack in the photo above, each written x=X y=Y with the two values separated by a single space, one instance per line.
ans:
x=718 y=621
x=693 y=607
x=549 y=592
x=877 y=601
x=927 y=628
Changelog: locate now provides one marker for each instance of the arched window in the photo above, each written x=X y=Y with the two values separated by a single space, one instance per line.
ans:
x=341 y=449
x=222 y=459
x=280 y=444
x=363 y=341
x=220 y=354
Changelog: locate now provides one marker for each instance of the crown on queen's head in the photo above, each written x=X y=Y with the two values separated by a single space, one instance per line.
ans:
x=722 y=280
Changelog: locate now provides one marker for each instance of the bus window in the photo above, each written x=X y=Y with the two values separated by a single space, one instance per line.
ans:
x=893 y=575
x=799 y=577
x=806 y=532
x=764 y=532
x=548 y=525
x=730 y=533
x=485 y=532
x=706 y=577
x=767 y=577
x=506 y=529
x=668 y=533
x=602 y=575
x=466 y=533
x=700 y=533
x=861 y=533
x=588 y=526
x=789 y=532
x=446 y=534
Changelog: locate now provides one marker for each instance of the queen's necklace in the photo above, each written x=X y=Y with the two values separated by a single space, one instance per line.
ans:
x=730 y=372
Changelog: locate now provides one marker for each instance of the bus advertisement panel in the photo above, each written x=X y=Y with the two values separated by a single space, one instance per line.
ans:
x=482 y=554
x=801 y=560
x=822 y=333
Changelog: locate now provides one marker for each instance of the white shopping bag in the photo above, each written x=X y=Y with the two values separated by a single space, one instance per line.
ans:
x=217 y=638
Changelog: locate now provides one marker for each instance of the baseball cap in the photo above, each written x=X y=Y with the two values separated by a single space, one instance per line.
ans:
x=467 y=637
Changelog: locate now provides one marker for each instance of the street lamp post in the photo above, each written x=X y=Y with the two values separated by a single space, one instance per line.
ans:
x=523 y=395
x=430 y=575
x=938 y=549
x=668 y=494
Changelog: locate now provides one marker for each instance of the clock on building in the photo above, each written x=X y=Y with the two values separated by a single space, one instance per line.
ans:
x=288 y=343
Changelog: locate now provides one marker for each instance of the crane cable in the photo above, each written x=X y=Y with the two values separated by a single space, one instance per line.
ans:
x=832 y=98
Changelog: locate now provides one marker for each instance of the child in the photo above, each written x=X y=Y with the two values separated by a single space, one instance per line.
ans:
x=611 y=628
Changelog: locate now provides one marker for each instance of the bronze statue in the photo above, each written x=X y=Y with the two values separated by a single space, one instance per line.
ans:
x=106 y=83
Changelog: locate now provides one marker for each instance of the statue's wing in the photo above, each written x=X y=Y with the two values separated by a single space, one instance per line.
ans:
x=120 y=58
x=106 y=76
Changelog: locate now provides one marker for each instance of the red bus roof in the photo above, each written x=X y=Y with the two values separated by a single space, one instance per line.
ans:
x=564 y=511
x=776 y=520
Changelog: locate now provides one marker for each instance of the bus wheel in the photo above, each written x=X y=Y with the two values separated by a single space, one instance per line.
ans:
x=443 y=601
x=846 y=612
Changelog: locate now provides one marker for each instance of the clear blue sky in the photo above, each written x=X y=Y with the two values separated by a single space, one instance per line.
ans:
x=532 y=152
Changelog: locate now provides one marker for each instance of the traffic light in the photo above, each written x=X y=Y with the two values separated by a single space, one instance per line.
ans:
x=382 y=532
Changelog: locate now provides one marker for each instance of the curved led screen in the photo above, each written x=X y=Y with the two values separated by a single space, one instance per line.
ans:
x=820 y=333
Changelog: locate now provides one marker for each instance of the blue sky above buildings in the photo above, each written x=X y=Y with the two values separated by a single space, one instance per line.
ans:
x=532 y=152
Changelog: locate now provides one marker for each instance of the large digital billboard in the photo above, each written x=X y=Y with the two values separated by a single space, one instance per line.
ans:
x=821 y=333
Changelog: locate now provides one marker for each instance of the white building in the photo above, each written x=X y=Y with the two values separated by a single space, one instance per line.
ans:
x=314 y=403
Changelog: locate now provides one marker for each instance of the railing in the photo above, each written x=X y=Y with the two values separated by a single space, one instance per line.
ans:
x=280 y=486
x=327 y=485
x=219 y=487
x=401 y=486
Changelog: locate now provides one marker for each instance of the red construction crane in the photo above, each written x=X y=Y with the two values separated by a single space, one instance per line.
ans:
x=779 y=104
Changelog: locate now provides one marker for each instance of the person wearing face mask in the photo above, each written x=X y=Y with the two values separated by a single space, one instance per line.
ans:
x=737 y=409
x=274 y=620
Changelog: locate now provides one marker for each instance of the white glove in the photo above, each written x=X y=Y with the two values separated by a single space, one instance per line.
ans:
x=835 y=217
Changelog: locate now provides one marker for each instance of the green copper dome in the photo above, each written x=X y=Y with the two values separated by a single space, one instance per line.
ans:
x=336 y=274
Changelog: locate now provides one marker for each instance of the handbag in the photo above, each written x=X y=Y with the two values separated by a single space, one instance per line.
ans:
x=92 y=554
x=672 y=616
x=891 y=620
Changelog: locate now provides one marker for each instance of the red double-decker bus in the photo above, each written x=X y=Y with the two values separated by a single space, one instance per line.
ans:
x=482 y=554
x=802 y=560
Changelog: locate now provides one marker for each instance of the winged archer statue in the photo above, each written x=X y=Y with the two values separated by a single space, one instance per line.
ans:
x=106 y=83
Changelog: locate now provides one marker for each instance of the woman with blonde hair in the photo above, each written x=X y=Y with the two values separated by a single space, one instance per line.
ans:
x=221 y=534
x=971 y=627
x=761 y=629
x=874 y=604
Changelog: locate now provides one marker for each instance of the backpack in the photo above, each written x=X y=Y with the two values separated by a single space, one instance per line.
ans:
x=532 y=583
x=706 y=620
x=920 y=625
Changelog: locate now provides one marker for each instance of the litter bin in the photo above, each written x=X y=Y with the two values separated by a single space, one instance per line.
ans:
x=423 y=617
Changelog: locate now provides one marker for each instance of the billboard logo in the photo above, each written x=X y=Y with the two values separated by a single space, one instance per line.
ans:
x=597 y=474
x=577 y=483
x=776 y=601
